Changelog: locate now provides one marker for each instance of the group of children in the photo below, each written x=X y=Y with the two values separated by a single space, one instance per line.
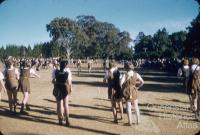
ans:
x=17 y=80
x=190 y=71
x=123 y=86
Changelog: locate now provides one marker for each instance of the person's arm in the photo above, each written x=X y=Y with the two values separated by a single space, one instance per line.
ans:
x=17 y=73
x=69 y=80
x=179 y=74
x=122 y=80
x=1 y=81
x=53 y=76
x=105 y=79
x=33 y=73
x=140 y=81
x=3 y=86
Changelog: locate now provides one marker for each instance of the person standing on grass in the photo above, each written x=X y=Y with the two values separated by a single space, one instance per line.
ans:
x=62 y=80
x=24 y=84
x=2 y=86
x=131 y=82
x=79 y=66
x=116 y=91
x=89 y=65
x=11 y=83
x=185 y=72
x=194 y=86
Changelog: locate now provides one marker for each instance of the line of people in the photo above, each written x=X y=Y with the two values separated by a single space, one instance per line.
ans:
x=123 y=87
x=190 y=71
x=17 y=81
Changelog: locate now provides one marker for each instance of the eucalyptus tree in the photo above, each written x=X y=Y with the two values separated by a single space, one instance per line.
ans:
x=66 y=33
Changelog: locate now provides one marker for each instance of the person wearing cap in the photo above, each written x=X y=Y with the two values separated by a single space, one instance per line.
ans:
x=11 y=83
x=62 y=80
x=131 y=82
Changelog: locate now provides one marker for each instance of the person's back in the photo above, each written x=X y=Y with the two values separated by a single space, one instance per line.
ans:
x=116 y=85
x=129 y=87
x=11 y=79
x=61 y=76
x=194 y=87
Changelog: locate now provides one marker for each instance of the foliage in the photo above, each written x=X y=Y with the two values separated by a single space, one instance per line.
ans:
x=192 y=44
x=91 y=38
x=161 y=45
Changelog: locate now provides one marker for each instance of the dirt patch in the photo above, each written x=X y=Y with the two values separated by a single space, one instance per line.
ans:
x=163 y=107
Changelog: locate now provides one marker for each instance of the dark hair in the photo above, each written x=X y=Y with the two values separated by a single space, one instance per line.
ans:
x=8 y=63
x=62 y=65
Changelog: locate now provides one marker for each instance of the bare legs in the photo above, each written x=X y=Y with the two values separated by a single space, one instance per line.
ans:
x=63 y=110
x=24 y=101
x=114 y=109
x=12 y=99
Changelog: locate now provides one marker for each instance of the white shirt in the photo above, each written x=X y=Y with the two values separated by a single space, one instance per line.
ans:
x=1 y=76
x=16 y=71
x=109 y=73
x=194 y=67
x=180 y=72
x=66 y=70
x=130 y=74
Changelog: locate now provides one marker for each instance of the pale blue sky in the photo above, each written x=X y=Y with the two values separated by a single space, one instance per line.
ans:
x=24 y=21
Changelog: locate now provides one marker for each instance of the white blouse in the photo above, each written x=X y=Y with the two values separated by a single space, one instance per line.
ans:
x=1 y=76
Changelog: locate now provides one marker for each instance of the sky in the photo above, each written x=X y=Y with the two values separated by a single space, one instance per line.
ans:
x=23 y=22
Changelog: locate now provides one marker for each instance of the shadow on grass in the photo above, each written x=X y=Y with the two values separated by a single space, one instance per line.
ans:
x=167 y=112
x=162 y=88
x=50 y=121
x=93 y=83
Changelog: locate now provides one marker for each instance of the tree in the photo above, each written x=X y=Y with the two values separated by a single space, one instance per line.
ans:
x=192 y=43
x=177 y=40
x=88 y=37
x=145 y=48
x=140 y=36
x=64 y=31
x=1 y=1
x=161 y=42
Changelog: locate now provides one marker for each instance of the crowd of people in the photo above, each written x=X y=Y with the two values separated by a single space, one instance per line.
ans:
x=122 y=86
x=190 y=71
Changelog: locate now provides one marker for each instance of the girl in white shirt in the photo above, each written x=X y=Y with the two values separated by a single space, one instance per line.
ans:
x=2 y=87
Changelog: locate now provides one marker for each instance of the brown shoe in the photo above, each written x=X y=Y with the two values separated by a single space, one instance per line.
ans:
x=67 y=123
x=116 y=121
x=60 y=121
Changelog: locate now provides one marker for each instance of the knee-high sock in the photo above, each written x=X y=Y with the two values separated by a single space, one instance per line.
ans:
x=129 y=112
x=137 y=110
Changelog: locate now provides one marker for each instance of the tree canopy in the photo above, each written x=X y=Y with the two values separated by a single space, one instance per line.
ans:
x=92 y=38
